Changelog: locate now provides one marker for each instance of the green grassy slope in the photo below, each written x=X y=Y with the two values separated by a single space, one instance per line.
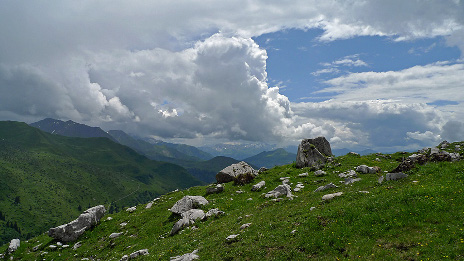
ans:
x=416 y=218
x=48 y=179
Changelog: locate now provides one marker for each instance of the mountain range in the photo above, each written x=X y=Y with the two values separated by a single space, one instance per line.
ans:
x=47 y=178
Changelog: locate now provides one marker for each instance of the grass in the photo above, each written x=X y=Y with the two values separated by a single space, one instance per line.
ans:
x=417 y=218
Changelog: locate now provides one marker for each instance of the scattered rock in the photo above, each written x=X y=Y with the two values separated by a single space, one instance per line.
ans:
x=312 y=208
x=115 y=235
x=36 y=247
x=241 y=173
x=213 y=212
x=444 y=144
x=331 y=196
x=245 y=226
x=348 y=174
x=215 y=190
x=142 y=252
x=187 y=203
x=258 y=186
x=293 y=231
x=186 y=257
x=109 y=218
x=52 y=246
x=353 y=153
x=131 y=209
x=280 y=190
x=232 y=238
x=303 y=174
x=381 y=179
x=363 y=191
x=149 y=205
x=284 y=178
x=188 y=218
x=367 y=170
x=377 y=159
x=239 y=191
x=262 y=169
x=14 y=244
x=77 y=245
x=64 y=246
x=313 y=153
x=328 y=186
x=349 y=181
x=72 y=230
x=123 y=224
x=320 y=173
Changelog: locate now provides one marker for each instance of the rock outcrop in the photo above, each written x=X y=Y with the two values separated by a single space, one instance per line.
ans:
x=14 y=244
x=187 y=203
x=281 y=190
x=258 y=186
x=313 y=152
x=72 y=230
x=241 y=173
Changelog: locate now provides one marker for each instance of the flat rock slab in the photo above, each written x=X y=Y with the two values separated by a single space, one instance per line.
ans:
x=72 y=230
x=326 y=187
x=187 y=203
x=331 y=196
x=280 y=190
x=258 y=186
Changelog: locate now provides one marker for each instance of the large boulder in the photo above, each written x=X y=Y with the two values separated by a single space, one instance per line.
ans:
x=281 y=190
x=241 y=173
x=72 y=230
x=313 y=152
x=188 y=203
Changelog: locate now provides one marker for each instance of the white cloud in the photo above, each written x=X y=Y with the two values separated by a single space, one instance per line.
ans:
x=159 y=68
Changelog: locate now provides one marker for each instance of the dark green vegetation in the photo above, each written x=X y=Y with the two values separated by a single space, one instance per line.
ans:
x=159 y=150
x=47 y=179
x=416 y=218
x=271 y=159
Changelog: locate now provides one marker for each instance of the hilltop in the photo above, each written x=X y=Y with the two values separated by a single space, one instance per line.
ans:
x=47 y=179
x=414 y=218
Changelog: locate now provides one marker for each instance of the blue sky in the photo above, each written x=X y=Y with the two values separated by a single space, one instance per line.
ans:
x=296 y=56
x=385 y=75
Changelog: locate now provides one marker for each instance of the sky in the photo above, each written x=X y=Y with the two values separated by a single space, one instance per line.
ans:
x=384 y=75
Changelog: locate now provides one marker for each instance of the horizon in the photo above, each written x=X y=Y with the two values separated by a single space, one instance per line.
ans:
x=375 y=75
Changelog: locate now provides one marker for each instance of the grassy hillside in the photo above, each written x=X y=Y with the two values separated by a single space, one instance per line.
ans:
x=273 y=158
x=416 y=218
x=48 y=179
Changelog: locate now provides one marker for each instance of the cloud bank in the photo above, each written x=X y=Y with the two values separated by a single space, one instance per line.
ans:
x=192 y=71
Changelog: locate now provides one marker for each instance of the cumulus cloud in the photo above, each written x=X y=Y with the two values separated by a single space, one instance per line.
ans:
x=162 y=69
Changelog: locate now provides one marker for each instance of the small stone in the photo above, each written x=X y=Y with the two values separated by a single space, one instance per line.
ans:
x=320 y=173
x=36 y=247
x=328 y=186
x=142 y=252
x=245 y=226
x=115 y=235
x=312 y=208
x=258 y=186
x=303 y=174
x=293 y=231
x=123 y=224
x=232 y=238
x=239 y=191
x=131 y=209
x=59 y=243
x=363 y=191
x=331 y=196
x=52 y=246
x=124 y=258
x=351 y=181
x=77 y=245
x=149 y=205
x=65 y=246
x=249 y=199
x=109 y=218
